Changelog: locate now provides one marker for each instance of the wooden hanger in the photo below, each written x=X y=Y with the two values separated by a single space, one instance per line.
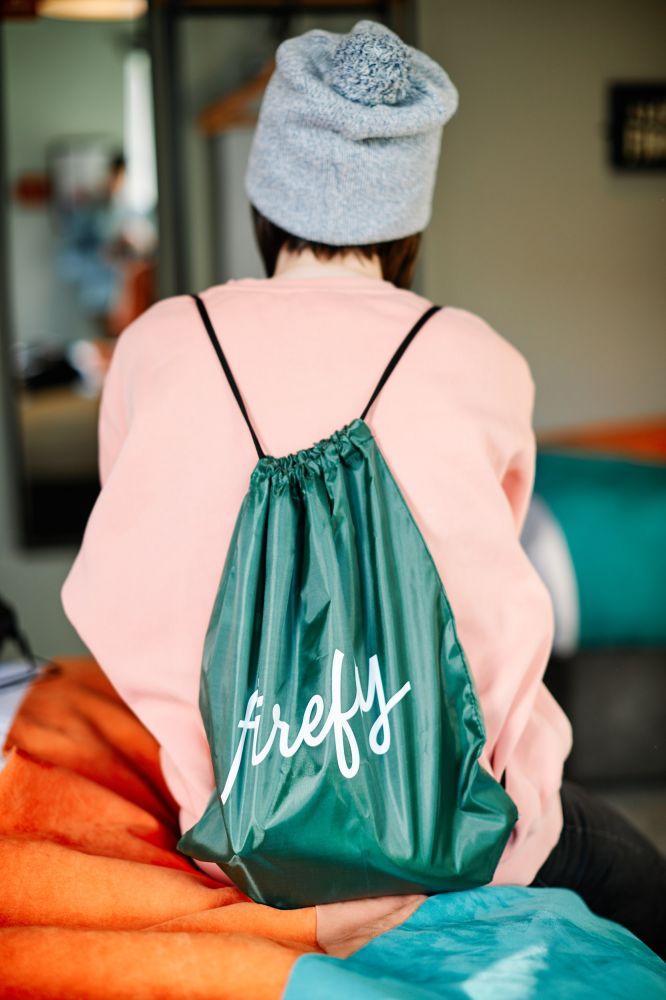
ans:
x=238 y=108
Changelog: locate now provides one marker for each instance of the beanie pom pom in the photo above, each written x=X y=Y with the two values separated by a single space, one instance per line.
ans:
x=370 y=67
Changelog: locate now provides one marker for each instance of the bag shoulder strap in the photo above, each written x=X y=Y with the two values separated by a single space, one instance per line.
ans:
x=398 y=354
x=203 y=312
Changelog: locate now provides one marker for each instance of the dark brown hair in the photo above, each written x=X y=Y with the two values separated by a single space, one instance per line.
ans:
x=397 y=257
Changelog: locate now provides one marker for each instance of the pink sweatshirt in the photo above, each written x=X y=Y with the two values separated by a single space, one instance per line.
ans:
x=454 y=424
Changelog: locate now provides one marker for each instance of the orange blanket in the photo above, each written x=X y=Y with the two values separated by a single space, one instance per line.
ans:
x=94 y=899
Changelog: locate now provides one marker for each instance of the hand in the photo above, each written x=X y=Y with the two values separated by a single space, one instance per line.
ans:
x=343 y=928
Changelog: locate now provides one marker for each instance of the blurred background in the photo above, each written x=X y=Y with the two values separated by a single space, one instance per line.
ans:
x=125 y=128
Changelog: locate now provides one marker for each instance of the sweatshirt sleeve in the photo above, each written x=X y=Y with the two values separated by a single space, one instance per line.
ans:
x=532 y=735
x=502 y=608
x=518 y=476
x=505 y=610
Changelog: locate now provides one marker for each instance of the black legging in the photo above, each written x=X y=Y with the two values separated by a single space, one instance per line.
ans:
x=617 y=871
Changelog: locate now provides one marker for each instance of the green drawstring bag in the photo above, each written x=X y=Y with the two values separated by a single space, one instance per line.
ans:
x=343 y=724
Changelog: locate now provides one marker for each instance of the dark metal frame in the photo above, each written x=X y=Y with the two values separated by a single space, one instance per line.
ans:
x=23 y=526
x=17 y=488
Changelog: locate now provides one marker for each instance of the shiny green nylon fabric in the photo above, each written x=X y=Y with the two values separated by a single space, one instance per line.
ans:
x=340 y=712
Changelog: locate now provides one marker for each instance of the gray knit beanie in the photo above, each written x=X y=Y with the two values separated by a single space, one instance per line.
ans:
x=347 y=142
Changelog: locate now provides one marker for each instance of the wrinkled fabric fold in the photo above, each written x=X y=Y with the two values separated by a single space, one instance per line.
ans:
x=344 y=727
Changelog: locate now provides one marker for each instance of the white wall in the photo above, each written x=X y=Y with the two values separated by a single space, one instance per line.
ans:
x=531 y=228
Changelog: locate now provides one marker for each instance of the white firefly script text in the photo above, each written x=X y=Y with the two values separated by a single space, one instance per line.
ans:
x=337 y=720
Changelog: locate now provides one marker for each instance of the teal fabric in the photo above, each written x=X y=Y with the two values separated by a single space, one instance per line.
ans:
x=493 y=943
x=613 y=515
x=343 y=723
